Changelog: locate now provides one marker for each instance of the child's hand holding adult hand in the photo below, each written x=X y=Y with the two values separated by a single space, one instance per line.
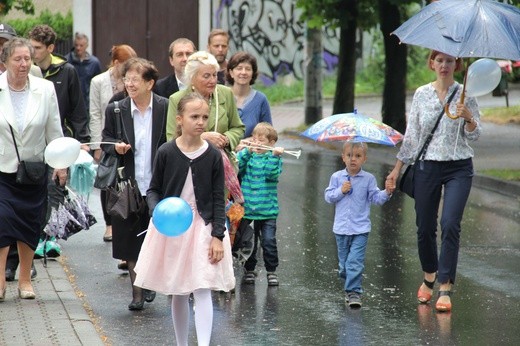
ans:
x=394 y=174
x=216 y=250
x=389 y=186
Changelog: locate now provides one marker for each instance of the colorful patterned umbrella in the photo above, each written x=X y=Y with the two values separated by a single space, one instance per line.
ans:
x=353 y=127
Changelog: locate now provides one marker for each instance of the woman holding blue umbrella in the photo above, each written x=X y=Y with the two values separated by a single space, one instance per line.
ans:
x=444 y=171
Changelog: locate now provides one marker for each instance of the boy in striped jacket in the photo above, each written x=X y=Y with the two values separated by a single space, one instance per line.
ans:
x=259 y=166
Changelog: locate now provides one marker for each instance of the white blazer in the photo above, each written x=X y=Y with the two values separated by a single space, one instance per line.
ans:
x=100 y=93
x=42 y=123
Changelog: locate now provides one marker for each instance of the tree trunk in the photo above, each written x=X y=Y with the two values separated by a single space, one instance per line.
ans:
x=394 y=92
x=313 y=75
x=345 y=83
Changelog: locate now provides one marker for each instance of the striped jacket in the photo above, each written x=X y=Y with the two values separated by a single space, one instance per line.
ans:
x=259 y=175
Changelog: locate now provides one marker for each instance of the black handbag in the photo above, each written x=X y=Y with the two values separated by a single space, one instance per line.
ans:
x=124 y=199
x=29 y=173
x=406 y=184
x=106 y=171
x=107 y=168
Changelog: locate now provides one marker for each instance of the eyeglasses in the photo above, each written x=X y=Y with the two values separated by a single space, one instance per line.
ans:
x=132 y=80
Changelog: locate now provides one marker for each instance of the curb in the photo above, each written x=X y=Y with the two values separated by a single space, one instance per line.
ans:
x=80 y=320
x=502 y=187
x=485 y=182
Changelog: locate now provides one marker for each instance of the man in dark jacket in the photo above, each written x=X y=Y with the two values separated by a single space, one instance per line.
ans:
x=178 y=53
x=74 y=117
x=87 y=65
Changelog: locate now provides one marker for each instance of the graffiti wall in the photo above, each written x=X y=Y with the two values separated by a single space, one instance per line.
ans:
x=272 y=32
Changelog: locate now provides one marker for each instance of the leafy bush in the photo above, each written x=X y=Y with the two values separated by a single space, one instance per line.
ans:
x=61 y=24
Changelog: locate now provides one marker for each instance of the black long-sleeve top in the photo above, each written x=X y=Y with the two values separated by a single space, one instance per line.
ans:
x=170 y=170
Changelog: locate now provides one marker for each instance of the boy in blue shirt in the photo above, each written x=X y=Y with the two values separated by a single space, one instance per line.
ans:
x=259 y=170
x=352 y=191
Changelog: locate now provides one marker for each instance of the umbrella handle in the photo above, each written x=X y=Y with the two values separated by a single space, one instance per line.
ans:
x=462 y=95
x=447 y=111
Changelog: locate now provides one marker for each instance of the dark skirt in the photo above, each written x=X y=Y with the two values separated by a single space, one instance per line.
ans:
x=125 y=242
x=22 y=211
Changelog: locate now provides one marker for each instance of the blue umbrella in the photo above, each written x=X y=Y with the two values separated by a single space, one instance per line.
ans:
x=465 y=29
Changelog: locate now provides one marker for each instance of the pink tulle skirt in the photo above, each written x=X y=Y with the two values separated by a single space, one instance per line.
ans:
x=179 y=265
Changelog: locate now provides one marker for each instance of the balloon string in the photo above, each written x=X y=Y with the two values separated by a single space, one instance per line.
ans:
x=99 y=143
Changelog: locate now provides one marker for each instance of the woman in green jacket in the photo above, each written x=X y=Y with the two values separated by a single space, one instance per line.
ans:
x=225 y=129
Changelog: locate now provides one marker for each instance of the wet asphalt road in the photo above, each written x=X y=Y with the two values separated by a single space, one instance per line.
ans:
x=308 y=307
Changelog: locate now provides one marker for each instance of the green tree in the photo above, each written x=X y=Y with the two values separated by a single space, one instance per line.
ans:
x=62 y=24
x=393 y=109
x=26 y=6
x=349 y=16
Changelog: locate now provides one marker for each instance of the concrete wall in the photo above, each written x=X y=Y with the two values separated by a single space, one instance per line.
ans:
x=82 y=19
x=271 y=31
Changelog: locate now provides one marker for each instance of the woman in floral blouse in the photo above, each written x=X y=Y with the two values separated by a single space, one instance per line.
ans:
x=446 y=171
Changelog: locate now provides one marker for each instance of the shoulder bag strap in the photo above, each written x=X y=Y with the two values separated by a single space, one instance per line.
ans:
x=430 y=135
x=14 y=141
x=117 y=112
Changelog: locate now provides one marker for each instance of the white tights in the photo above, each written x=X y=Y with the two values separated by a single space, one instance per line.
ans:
x=203 y=316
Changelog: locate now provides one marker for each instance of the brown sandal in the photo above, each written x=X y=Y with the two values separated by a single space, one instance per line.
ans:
x=422 y=296
x=443 y=307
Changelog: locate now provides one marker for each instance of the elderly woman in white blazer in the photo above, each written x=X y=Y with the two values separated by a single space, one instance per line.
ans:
x=28 y=108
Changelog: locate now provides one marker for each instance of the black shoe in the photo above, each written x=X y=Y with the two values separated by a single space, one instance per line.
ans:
x=354 y=300
x=10 y=274
x=34 y=273
x=149 y=296
x=135 y=306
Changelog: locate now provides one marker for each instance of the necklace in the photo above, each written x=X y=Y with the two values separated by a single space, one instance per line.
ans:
x=18 y=90
x=209 y=98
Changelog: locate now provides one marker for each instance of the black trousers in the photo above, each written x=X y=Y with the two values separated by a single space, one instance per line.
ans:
x=451 y=182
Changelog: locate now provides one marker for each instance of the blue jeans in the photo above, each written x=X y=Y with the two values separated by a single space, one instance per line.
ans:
x=455 y=178
x=265 y=232
x=351 y=259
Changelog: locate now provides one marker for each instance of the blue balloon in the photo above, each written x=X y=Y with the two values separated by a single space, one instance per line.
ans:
x=172 y=216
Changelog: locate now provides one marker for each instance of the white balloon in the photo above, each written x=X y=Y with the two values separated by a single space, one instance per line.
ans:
x=62 y=152
x=483 y=76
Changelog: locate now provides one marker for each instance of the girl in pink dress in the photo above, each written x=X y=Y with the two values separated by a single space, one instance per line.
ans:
x=199 y=260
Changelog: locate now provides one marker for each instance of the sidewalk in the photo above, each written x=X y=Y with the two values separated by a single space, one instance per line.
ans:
x=58 y=317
